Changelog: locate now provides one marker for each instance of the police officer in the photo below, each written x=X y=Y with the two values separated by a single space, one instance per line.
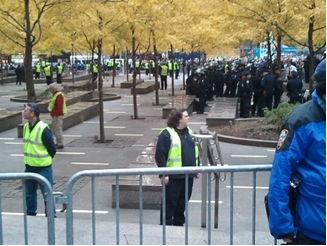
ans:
x=268 y=84
x=201 y=90
x=258 y=97
x=48 y=74
x=163 y=76
x=219 y=81
x=294 y=88
x=236 y=76
x=245 y=91
x=278 y=89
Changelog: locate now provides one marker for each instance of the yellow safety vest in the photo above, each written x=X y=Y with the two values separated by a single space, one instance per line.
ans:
x=170 y=66
x=47 y=71
x=226 y=66
x=87 y=67
x=137 y=64
x=146 y=65
x=35 y=153
x=38 y=68
x=95 y=69
x=176 y=67
x=43 y=64
x=164 y=70
x=175 y=151
x=53 y=101
x=60 y=68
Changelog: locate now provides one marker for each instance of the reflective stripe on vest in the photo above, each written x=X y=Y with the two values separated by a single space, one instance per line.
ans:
x=47 y=71
x=60 y=68
x=175 y=151
x=53 y=101
x=164 y=70
x=35 y=153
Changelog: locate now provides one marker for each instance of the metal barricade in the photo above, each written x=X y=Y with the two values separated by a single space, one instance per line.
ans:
x=50 y=205
x=206 y=172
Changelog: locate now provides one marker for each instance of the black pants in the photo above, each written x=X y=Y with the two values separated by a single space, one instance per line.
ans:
x=37 y=75
x=219 y=89
x=146 y=71
x=175 y=201
x=258 y=104
x=49 y=80
x=268 y=101
x=304 y=240
x=163 y=80
x=245 y=104
x=59 y=79
x=277 y=97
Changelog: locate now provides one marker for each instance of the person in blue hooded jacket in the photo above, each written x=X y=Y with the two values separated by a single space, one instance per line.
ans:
x=301 y=151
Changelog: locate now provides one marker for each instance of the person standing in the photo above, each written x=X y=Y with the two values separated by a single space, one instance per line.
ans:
x=268 y=84
x=301 y=154
x=19 y=75
x=294 y=88
x=245 y=92
x=146 y=67
x=163 y=76
x=60 y=70
x=48 y=74
x=176 y=148
x=37 y=70
x=258 y=97
x=278 y=88
x=57 y=108
x=39 y=150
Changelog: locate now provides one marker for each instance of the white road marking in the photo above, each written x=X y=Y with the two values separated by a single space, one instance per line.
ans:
x=129 y=104
x=72 y=136
x=115 y=127
x=58 y=210
x=248 y=187
x=161 y=98
x=199 y=201
x=16 y=155
x=197 y=123
x=2 y=109
x=8 y=96
x=116 y=112
x=70 y=153
x=90 y=163
x=93 y=122
x=7 y=138
x=139 y=145
x=156 y=129
x=130 y=96
x=129 y=135
x=18 y=143
x=249 y=156
x=157 y=109
x=271 y=150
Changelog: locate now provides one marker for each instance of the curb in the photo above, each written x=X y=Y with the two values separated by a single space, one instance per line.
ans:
x=247 y=141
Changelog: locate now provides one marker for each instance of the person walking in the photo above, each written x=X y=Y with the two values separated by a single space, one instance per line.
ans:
x=39 y=150
x=176 y=148
x=48 y=74
x=57 y=108
x=300 y=160
x=37 y=71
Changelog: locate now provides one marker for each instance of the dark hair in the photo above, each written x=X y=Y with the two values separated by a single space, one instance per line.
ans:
x=174 y=117
x=34 y=108
x=321 y=89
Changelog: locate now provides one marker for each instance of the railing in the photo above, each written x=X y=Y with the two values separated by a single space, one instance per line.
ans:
x=206 y=171
x=50 y=205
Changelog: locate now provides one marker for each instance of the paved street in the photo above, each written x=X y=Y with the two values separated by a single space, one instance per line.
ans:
x=128 y=139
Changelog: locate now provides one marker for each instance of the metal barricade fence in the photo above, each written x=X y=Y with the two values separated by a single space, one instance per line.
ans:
x=206 y=172
x=50 y=205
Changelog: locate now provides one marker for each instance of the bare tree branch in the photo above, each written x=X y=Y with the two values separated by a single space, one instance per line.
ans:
x=319 y=28
x=320 y=48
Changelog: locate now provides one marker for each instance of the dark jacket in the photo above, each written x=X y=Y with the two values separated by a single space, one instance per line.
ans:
x=294 y=85
x=268 y=83
x=188 y=150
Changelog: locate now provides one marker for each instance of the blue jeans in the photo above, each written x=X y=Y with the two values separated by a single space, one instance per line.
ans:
x=31 y=187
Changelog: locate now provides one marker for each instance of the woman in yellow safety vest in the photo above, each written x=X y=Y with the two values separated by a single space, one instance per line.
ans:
x=176 y=148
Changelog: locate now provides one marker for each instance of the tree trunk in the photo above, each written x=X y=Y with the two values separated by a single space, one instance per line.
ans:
x=31 y=97
x=279 y=49
x=73 y=63
x=269 y=52
x=114 y=67
x=311 y=53
x=100 y=83
x=134 y=75
x=173 y=68
x=156 y=86
x=127 y=65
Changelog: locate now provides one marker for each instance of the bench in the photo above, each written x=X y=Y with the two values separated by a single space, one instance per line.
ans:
x=10 y=119
x=181 y=101
x=77 y=113
x=129 y=83
x=144 y=88
x=129 y=185
x=222 y=112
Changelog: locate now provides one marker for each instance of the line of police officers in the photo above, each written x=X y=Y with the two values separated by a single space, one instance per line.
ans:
x=255 y=87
